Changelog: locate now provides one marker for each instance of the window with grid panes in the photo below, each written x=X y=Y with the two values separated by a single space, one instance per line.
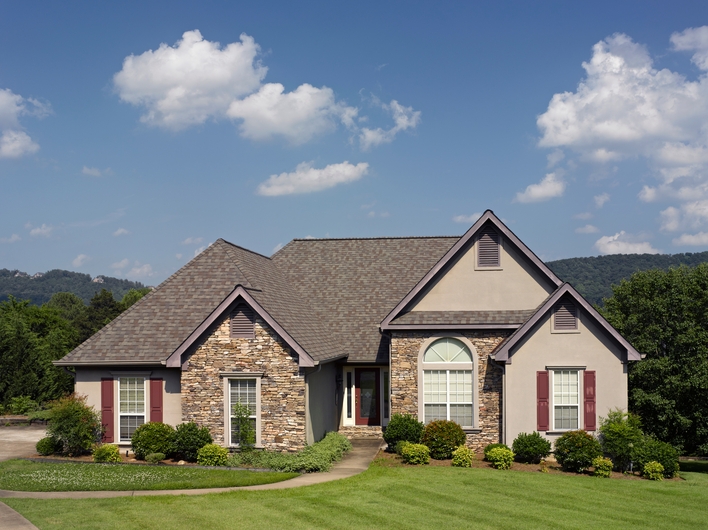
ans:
x=131 y=405
x=242 y=391
x=566 y=400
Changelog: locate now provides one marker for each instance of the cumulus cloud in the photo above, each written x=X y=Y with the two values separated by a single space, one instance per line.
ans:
x=122 y=264
x=601 y=199
x=467 y=219
x=587 y=229
x=307 y=179
x=14 y=238
x=404 y=118
x=79 y=260
x=140 y=271
x=198 y=251
x=622 y=243
x=192 y=240
x=552 y=185
x=121 y=232
x=699 y=239
x=14 y=142
x=44 y=230
x=92 y=171
x=688 y=216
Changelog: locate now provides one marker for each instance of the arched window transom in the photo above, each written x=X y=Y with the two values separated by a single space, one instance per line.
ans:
x=447 y=350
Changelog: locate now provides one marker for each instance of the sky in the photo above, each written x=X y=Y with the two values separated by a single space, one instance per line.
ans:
x=134 y=134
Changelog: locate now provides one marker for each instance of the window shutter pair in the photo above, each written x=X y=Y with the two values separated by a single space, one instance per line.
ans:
x=243 y=323
x=108 y=406
x=543 y=390
x=488 y=248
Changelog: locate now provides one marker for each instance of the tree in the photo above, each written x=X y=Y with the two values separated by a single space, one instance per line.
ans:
x=102 y=309
x=664 y=314
x=133 y=296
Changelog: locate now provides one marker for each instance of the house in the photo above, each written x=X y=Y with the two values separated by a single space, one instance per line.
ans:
x=339 y=334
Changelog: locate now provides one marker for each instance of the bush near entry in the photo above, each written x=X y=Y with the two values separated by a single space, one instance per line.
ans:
x=442 y=437
x=403 y=428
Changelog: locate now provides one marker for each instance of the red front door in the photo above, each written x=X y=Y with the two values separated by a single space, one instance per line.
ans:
x=367 y=396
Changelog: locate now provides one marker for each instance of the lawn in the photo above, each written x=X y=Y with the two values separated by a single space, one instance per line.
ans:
x=23 y=475
x=404 y=497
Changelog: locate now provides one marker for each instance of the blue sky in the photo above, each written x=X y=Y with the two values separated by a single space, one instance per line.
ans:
x=133 y=134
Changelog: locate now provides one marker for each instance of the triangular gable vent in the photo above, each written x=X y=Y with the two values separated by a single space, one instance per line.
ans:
x=242 y=322
x=488 y=248
x=565 y=316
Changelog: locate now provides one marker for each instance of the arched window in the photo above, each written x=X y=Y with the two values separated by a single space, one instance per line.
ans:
x=449 y=382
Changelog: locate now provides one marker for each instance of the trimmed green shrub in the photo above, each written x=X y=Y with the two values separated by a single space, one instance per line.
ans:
x=153 y=437
x=48 y=446
x=619 y=434
x=462 y=457
x=575 y=450
x=442 y=437
x=190 y=438
x=416 y=454
x=155 y=458
x=501 y=458
x=531 y=448
x=403 y=428
x=399 y=446
x=650 y=449
x=603 y=467
x=75 y=425
x=106 y=453
x=653 y=471
x=212 y=455
x=493 y=446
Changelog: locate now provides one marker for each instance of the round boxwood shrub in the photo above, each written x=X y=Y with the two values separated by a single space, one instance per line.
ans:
x=653 y=471
x=462 y=457
x=48 y=446
x=575 y=450
x=652 y=450
x=603 y=467
x=531 y=448
x=501 y=458
x=106 y=453
x=442 y=437
x=403 y=428
x=189 y=439
x=493 y=446
x=212 y=455
x=153 y=437
x=154 y=458
x=416 y=454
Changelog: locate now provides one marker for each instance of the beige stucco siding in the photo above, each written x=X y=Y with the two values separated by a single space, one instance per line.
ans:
x=322 y=414
x=464 y=287
x=590 y=347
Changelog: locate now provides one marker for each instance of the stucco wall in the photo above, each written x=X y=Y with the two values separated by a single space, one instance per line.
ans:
x=322 y=407
x=517 y=285
x=282 y=385
x=542 y=348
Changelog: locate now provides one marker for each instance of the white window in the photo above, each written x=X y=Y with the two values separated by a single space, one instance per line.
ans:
x=132 y=406
x=244 y=391
x=448 y=382
x=566 y=400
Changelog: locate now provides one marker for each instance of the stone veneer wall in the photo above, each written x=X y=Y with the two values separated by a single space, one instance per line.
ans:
x=282 y=385
x=361 y=431
x=405 y=349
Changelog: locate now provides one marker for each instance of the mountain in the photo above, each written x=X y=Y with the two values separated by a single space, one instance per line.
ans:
x=40 y=287
x=593 y=277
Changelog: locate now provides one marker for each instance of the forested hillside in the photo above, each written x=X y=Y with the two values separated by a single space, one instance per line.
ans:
x=593 y=277
x=40 y=287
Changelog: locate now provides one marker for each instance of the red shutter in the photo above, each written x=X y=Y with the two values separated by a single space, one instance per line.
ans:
x=156 y=400
x=107 y=409
x=589 y=393
x=542 y=391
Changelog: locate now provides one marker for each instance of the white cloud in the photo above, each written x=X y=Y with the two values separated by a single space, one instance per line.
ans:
x=693 y=40
x=699 y=239
x=622 y=243
x=276 y=248
x=80 y=260
x=44 y=230
x=583 y=215
x=404 y=118
x=554 y=158
x=587 y=229
x=199 y=251
x=140 y=271
x=552 y=185
x=121 y=232
x=178 y=256
x=306 y=179
x=122 y=264
x=689 y=215
x=12 y=239
x=192 y=240
x=601 y=199
x=467 y=219
x=14 y=142
x=91 y=171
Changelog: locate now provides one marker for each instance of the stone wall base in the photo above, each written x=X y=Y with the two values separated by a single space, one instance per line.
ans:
x=477 y=442
x=362 y=431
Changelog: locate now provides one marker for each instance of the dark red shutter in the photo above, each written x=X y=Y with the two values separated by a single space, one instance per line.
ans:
x=542 y=391
x=107 y=409
x=156 y=400
x=589 y=393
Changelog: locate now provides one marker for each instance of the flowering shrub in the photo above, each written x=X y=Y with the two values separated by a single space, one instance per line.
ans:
x=462 y=457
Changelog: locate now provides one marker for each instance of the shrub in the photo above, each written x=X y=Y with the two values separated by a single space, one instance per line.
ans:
x=619 y=434
x=501 y=458
x=22 y=405
x=493 y=446
x=531 y=448
x=212 y=455
x=652 y=450
x=74 y=425
x=156 y=458
x=48 y=446
x=106 y=453
x=442 y=437
x=400 y=445
x=575 y=450
x=415 y=454
x=603 y=467
x=653 y=471
x=153 y=437
x=403 y=428
x=190 y=438
x=462 y=457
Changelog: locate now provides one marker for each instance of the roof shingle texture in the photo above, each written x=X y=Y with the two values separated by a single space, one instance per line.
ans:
x=422 y=318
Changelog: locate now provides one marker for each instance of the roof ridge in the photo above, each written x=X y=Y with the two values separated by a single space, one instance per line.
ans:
x=237 y=263
x=367 y=238
x=242 y=248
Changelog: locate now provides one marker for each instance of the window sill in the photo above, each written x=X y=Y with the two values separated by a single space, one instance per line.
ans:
x=472 y=431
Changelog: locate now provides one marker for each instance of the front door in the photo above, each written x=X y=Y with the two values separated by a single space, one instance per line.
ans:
x=367 y=396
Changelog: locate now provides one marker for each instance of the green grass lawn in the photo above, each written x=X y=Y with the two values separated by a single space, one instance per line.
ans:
x=698 y=466
x=404 y=497
x=23 y=475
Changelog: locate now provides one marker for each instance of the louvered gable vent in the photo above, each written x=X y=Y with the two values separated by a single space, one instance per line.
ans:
x=242 y=322
x=565 y=316
x=488 y=248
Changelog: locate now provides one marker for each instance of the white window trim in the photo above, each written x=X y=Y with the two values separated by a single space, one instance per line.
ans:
x=473 y=366
x=552 y=373
x=228 y=377
x=119 y=414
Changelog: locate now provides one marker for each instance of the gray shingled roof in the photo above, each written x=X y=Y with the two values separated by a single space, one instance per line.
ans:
x=462 y=318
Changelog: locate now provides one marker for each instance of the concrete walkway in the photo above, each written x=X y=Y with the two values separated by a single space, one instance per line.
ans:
x=17 y=441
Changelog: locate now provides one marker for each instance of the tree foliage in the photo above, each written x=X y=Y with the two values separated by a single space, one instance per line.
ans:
x=664 y=314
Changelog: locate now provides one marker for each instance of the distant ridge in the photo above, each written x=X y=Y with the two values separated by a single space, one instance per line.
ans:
x=40 y=287
x=593 y=277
